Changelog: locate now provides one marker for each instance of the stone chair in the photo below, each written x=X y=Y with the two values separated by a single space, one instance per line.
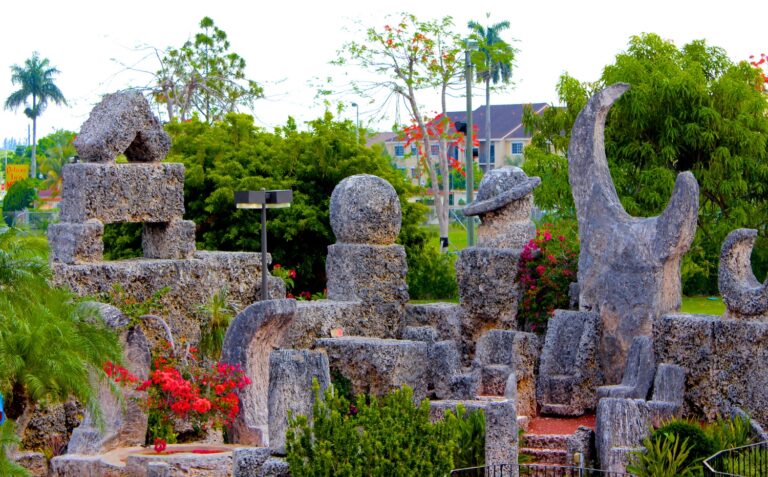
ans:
x=638 y=374
x=569 y=373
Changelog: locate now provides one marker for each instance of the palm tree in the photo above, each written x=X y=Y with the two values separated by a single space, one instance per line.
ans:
x=56 y=157
x=494 y=64
x=36 y=80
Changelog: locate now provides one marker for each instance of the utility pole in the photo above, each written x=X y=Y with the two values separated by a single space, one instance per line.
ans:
x=469 y=162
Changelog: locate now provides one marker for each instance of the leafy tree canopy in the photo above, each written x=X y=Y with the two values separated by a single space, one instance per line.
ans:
x=235 y=155
x=689 y=108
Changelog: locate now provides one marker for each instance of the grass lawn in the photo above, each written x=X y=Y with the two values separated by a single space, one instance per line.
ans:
x=702 y=305
x=457 y=236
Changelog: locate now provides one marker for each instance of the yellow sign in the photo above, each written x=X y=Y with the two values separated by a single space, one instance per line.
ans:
x=15 y=173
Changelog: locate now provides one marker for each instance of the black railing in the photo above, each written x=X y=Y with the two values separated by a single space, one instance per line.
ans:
x=745 y=461
x=533 y=470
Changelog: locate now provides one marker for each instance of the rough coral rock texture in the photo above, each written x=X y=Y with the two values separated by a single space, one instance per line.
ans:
x=504 y=202
x=501 y=434
x=629 y=267
x=744 y=296
x=724 y=363
x=621 y=425
x=378 y=366
x=444 y=366
x=488 y=292
x=638 y=373
x=122 y=123
x=365 y=209
x=124 y=423
x=122 y=192
x=76 y=243
x=175 y=239
x=445 y=318
x=668 y=394
x=501 y=353
x=291 y=376
x=318 y=318
x=369 y=273
x=248 y=343
x=52 y=424
x=191 y=283
x=569 y=371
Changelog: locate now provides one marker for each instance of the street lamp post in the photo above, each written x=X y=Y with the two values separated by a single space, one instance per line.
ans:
x=263 y=199
x=471 y=45
x=357 y=119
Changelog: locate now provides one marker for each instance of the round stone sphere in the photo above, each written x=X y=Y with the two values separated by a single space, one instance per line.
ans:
x=365 y=209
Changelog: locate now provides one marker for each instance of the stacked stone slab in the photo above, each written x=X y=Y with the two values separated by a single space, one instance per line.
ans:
x=569 y=373
x=99 y=191
x=638 y=374
x=487 y=273
x=629 y=267
x=365 y=265
x=621 y=425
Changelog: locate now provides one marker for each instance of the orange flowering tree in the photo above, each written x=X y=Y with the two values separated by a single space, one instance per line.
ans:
x=411 y=58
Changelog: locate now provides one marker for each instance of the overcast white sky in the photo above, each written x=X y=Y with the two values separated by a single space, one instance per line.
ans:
x=287 y=43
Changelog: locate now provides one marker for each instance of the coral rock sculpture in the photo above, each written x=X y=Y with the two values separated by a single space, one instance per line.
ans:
x=629 y=267
x=743 y=295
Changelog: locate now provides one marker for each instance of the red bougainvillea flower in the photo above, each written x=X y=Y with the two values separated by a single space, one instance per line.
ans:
x=160 y=445
x=201 y=405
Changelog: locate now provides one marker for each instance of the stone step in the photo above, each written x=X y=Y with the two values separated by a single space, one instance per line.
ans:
x=546 y=441
x=550 y=409
x=546 y=456
x=549 y=470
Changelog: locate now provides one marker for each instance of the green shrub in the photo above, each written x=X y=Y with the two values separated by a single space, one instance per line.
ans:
x=470 y=444
x=21 y=195
x=665 y=456
x=431 y=275
x=378 y=437
x=699 y=445
x=729 y=433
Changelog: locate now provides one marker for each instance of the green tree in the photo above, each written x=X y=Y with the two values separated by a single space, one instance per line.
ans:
x=493 y=63
x=58 y=148
x=35 y=79
x=204 y=77
x=20 y=195
x=689 y=108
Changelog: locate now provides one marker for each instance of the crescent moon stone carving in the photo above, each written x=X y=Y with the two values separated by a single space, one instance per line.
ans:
x=629 y=267
x=744 y=296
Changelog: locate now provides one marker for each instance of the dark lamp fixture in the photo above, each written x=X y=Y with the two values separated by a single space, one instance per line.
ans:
x=263 y=199
x=461 y=127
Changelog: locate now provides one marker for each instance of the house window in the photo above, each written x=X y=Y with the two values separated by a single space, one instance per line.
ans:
x=493 y=154
x=399 y=151
x=517 y=148
x=435 y=149
x=413 y=150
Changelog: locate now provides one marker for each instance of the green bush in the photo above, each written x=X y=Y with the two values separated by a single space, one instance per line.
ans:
x=729 y=433
x=21 y=195
x=378 y=437
x=700 y=446
x=431 y=275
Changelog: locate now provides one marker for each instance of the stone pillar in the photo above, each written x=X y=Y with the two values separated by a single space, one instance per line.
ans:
x=365 y=264
x=501 y=436
x=487 y=273
x=291 y=376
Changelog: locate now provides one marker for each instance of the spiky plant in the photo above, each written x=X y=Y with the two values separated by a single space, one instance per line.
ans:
x=219 y=313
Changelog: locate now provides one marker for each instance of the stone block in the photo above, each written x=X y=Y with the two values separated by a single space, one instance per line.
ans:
x=122 y=123
x=317 y=318
x=141 y=192
x=249 y=461
x=501 y=434
x=444 y=317
x=487 y=288
x=158 y=469
x=445 y=364
x=76 y=243
x=465 y=386
x=250 y=339
x=621 y=424
x=123 y=423
x=378 y=366
x=569 y=373
x=365 y=209
x=34 y=462
x=173 y=240
x=291 y=376
x=191 y=283
x=373 y=274
x=723 y=361
x=501 y=352
x=638 y=373
x=426 y=334
x=669 y=383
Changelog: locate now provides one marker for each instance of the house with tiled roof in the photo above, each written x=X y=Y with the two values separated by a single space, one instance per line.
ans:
x=508 y=138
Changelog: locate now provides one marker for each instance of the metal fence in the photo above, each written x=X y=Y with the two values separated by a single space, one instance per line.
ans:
x=745 y=461
x=533 y=470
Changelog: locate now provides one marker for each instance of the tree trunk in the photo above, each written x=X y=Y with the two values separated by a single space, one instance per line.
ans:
x=33 y=162
x=488 y=121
